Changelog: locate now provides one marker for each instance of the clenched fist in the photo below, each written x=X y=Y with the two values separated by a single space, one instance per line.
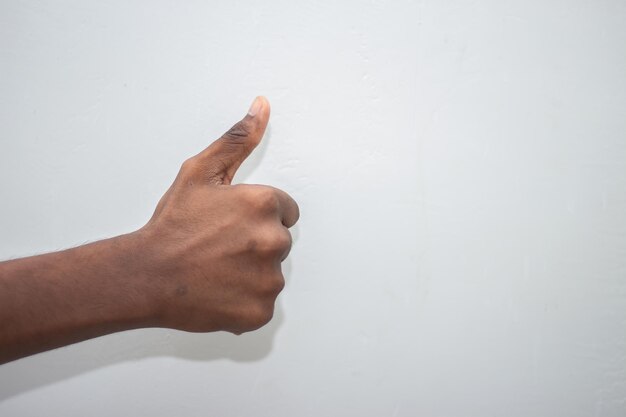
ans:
x=217 y=248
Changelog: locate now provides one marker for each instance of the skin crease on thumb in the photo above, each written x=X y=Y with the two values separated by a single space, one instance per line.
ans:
x=256 y=121
x=221 y=159
x=252 y=127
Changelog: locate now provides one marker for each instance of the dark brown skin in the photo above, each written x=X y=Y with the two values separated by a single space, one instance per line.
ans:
x=209 y=259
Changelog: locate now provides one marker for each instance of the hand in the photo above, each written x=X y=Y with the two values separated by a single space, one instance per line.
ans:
x=213 y=250
x=209 y=259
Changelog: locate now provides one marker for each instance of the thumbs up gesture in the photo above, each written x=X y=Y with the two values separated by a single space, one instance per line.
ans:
x=213 y=250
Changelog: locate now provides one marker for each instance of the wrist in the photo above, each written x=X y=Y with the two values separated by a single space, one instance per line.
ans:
x=132 y=267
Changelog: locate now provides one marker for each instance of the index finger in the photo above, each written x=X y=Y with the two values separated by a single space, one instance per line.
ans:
x=288 y=208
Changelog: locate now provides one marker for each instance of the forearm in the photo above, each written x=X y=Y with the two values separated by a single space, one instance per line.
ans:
x=64 y=297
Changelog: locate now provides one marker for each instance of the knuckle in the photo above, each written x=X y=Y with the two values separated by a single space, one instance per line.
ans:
x=263 y=199
x=189 y=165
x=190 y=170
x=272 y=286
x=258 y=316
x=275 y=242
x=296 y=211
x=279 y=284
x=281 y=241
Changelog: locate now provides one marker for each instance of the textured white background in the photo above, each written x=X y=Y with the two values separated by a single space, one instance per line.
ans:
x=460 y=168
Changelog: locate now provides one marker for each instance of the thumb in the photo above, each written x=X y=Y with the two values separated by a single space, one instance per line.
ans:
x=223 y=157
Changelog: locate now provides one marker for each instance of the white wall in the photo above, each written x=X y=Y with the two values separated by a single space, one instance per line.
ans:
x=460 y=167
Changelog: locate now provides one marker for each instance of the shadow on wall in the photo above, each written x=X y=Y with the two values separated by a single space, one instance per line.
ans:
x=49 y=367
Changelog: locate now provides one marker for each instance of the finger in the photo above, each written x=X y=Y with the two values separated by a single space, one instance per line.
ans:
x=288 y=248
x=223 y=157
x=288 y=208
